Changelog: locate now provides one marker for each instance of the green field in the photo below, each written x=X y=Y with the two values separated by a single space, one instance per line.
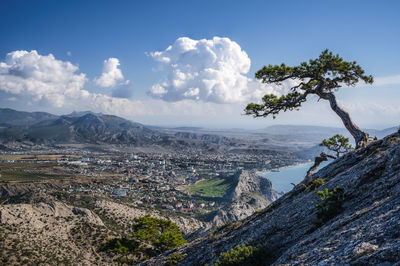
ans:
x=215 y=187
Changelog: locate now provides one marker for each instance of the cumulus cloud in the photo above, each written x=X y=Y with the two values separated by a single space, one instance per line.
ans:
x=111 y=75
x=41 y=77
x=207 y=70
x=29 y=76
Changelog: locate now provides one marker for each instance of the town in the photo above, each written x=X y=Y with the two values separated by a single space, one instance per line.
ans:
x=155 y=181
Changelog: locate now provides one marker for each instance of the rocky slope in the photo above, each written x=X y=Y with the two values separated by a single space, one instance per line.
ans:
x=49 y=233
x=251 y=193
x=365 y=231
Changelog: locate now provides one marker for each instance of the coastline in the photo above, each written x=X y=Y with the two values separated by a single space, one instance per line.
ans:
x=262 y=173
x=288 y=174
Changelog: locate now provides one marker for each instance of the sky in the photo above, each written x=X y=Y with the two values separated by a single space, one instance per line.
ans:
x=192 y=63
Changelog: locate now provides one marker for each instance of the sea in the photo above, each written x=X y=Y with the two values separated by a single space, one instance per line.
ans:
x=291 y=174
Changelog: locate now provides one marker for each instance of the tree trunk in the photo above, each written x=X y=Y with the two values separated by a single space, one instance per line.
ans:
x=360 y=137
x=318 y=160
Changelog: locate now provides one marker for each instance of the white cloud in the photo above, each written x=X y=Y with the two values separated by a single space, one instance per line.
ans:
x=207 y=70
x=41 y=77
x=33 y=78
x=111 y=75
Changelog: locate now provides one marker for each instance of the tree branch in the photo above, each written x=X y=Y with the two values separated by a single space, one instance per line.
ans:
x=273 y=105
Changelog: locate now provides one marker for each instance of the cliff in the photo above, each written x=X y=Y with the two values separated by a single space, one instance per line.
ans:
x=364 y=229
x=252 y=193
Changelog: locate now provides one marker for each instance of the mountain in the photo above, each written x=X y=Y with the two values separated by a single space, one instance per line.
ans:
x=299 y=139
x=44 y=128
x=24 y=130
x=315 y=134
x=10 y=117
x=356 y=224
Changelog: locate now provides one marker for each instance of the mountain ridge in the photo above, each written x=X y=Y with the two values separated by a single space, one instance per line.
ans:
x=24 y=131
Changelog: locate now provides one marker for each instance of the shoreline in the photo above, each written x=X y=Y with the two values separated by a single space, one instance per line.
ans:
x=262 y=173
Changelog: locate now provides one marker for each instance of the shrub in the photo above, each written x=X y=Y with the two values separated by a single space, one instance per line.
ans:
x=161 y=233
x=151 y=236
x=244 y=255
x=331 y=204
x=314 y=184
x=174 y=259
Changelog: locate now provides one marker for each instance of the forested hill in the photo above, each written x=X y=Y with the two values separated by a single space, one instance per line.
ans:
x=356 y=223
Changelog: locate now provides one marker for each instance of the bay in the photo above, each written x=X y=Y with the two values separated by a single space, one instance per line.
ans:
x=292 y=174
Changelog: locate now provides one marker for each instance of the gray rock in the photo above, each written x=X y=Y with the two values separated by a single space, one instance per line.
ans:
x=252 y=193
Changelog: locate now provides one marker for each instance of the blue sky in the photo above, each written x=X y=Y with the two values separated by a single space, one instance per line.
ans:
x=86 y=33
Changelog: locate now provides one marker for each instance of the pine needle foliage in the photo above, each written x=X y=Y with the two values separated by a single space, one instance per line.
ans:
x=338 y=144
x=331 y=203
x=151 y=236
x=244 y=255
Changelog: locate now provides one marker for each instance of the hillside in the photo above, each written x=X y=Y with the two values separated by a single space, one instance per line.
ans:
x=76 y=225
x=363 y=231
x=10 y=117
x=43 y=128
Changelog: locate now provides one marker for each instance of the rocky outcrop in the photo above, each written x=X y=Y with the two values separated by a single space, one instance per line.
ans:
x=252 y=193
x=365 y=231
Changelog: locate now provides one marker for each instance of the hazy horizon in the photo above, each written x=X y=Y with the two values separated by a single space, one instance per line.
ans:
x=215 y=127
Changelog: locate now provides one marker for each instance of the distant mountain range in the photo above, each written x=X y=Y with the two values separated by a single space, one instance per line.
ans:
x=96 y=128
x=317 y=130
x=28 y=129
x=296 y=133
x=85 y=127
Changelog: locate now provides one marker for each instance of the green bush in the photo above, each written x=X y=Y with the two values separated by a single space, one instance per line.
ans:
x=121 y=246
x=151 y=236
x=174 y=259
x=331 y=204
x=161 y=233
x=244 y=255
